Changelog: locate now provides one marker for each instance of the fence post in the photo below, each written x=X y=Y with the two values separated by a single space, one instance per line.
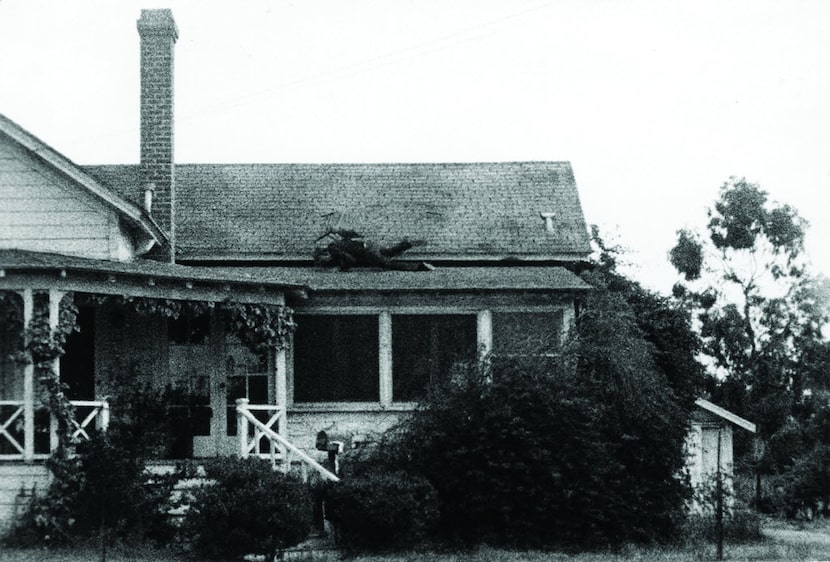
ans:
x=242 y=427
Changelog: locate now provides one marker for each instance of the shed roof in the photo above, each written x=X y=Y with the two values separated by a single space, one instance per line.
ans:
x=462 y=210
x=725 y=414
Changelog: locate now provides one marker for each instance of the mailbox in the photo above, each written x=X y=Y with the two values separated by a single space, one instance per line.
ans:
x=333 y=447
x=333 y=444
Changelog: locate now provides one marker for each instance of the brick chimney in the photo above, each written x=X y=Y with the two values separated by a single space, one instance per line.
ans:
x=158 y=34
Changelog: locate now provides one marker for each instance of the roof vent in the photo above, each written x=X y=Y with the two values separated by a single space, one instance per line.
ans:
x=548 y=220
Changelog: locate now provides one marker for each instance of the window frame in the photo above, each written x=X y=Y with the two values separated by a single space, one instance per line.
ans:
x=484 y=339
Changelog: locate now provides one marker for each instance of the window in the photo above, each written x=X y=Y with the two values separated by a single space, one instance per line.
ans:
x=425 y=349
x=525 y=339
x=336 y=358
x=247 y=377
x=526 y=333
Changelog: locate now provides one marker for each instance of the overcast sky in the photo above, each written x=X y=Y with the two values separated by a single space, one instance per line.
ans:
x=655 y=103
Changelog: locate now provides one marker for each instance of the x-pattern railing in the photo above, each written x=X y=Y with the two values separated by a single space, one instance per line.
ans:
x=99 y=412
x=279 y=443
x=7 y=423
x=272 y=423
x=12 y=414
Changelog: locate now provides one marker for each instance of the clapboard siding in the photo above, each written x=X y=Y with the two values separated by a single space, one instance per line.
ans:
x=33 y=232
x=63 y=218
x=17 y=484
x=42 y=210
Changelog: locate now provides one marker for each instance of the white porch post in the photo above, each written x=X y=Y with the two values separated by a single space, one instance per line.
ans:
x=242 y=427
x=28 y=383
x=280 y=366
x=484 y=336
x=385 y=357
x=54 y=318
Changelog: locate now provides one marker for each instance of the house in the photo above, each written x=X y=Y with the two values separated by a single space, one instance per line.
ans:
x=171 y=265
x=158 y=255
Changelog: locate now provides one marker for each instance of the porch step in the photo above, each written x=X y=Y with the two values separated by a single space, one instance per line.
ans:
x=18 y=482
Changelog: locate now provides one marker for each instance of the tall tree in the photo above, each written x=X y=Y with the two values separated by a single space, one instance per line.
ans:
x=759 y=314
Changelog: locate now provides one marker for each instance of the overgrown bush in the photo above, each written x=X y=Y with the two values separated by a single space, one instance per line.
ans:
x=806 y=487
x=585 y=452
x=382 y=510
x=247 y=508
x=102 y=490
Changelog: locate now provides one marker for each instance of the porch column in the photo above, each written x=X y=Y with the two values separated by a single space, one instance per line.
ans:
x=484 y=337
x=281 y=393
x=385 y=357
x=568 y=315
x=54 y=318
x=28 y=382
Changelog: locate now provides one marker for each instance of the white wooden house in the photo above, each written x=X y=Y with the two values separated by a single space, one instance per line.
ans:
x=503 y=240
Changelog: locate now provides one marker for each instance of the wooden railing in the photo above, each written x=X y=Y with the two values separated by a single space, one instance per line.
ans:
x=7 y=427
x=13 y=428
x=251 y=430
x=99 y=412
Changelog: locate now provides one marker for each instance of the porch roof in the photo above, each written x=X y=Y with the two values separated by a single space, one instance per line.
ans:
x=138 y=278
x=516 y=278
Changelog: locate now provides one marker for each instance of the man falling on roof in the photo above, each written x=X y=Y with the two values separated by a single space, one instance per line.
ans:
x=347 y=249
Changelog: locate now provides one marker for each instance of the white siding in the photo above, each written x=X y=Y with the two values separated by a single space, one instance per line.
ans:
x=41 y=210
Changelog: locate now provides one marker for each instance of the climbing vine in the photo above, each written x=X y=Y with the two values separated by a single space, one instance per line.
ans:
x=44 y=347
x=259 y=326
x=38 y=344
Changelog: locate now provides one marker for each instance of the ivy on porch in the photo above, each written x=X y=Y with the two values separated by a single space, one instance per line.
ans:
x=38 y=323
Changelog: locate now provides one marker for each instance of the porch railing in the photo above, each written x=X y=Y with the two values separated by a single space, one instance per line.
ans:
x=93 y=413
x=252 y=430
x=11 y=427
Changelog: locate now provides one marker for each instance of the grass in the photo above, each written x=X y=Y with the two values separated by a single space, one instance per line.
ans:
x=785 y=542
x=766 y=551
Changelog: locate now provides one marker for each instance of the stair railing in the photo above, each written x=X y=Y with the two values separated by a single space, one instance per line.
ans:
x=288 y=450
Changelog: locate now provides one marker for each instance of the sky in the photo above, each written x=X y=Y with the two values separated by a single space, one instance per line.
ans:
x=655 y=103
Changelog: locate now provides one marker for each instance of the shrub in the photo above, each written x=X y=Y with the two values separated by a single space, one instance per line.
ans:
x=580 y=451
x=247 y=508
x=102 y=489
x=382 y=510
x=806 y=489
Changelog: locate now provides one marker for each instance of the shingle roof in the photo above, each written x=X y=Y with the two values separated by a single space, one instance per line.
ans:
x=440 y=279
x=317 y=279
x=25 y=260
x=462 y=210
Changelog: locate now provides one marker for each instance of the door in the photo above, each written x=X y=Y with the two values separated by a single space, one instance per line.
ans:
x=246 y=375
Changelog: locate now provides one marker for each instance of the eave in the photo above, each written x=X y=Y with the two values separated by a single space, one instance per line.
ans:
x=21 y=270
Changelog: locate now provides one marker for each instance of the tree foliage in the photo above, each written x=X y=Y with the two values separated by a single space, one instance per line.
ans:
x=758 y=312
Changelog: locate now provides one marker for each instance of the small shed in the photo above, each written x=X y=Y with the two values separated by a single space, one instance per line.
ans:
x=709 y=424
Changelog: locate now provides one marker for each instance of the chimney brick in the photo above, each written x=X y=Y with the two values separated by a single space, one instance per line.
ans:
x=158 y=33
